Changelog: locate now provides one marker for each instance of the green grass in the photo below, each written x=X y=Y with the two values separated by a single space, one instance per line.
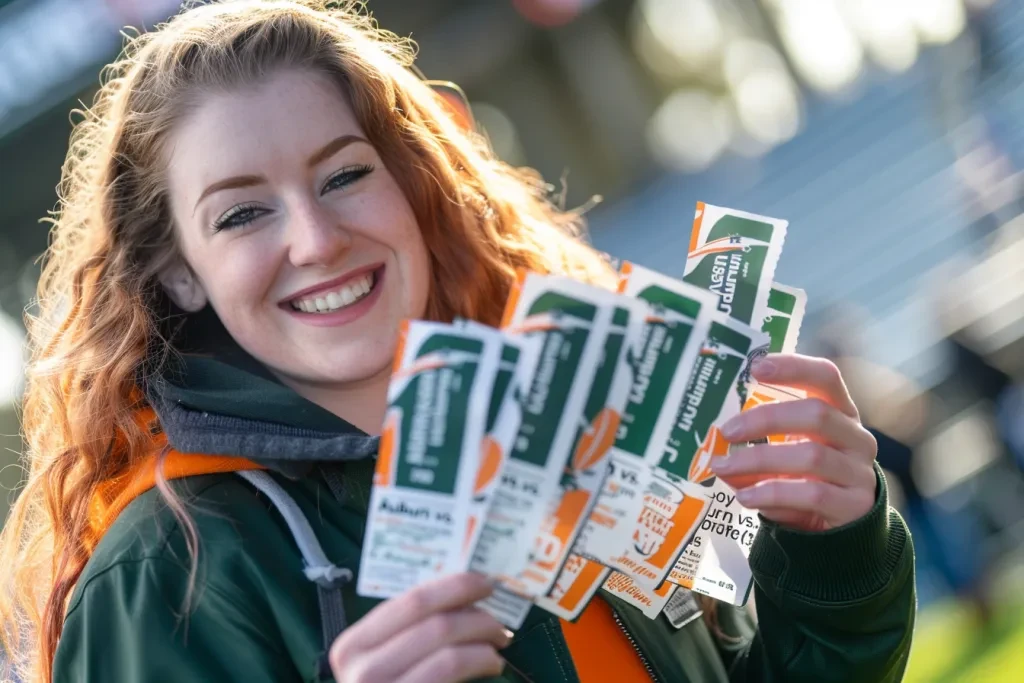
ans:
x=950 y=646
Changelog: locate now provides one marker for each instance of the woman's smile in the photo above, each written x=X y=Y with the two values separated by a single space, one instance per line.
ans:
x=338 y=301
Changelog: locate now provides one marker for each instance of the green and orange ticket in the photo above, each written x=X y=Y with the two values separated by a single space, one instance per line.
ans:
x=673 y=330
x=429 y=456
x=576 y=585
x=650 y=601
x=676 y=500
x=782 y=317
x=593 y=425
x=572 y=324
x=734 y=254
x=519 y=357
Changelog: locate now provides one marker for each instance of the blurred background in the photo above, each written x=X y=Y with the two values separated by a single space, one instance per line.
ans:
x=886 y=131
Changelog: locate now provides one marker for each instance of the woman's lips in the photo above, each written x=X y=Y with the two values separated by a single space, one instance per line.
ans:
x=337 y=311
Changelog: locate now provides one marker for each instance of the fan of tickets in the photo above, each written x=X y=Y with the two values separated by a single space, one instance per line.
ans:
x=570 y=450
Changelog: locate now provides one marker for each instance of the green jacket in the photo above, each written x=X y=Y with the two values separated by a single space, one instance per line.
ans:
x=834 y=606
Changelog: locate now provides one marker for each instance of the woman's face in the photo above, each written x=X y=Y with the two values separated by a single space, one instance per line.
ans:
x=296 y=233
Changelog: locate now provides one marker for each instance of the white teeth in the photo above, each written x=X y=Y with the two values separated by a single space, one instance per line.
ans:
x=347 y=294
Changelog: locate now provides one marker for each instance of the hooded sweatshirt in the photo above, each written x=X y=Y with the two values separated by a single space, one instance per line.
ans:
x=832 y=606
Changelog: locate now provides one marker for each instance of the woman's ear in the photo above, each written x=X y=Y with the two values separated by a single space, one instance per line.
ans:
x=183 y=287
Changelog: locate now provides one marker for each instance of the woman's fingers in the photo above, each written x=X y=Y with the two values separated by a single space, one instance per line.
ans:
x=817 y=376
x=835 y=504
x=442 y=630
x=456 y=664
x=812 y=418
x=744 y=466
x=389 y=618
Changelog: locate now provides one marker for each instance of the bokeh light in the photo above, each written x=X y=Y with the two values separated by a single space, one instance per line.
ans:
x=12 y=357
x=690 y=129
x=690 y=33
x=820 y=43
x=887 y=30
x=937 y=21
x=766 y=97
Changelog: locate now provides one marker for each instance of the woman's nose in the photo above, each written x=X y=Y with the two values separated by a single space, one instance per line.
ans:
x=316 y=237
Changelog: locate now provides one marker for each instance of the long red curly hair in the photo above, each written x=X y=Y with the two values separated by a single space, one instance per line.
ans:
x=98 y=334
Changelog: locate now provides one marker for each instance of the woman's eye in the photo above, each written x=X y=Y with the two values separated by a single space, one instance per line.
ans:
x=238 y=217
x=346 y=176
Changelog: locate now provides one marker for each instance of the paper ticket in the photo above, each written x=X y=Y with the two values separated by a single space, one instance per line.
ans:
x=429 y=456
x=519 y=358
x=671 y=513
x=717 y=392
x=648 y=601
x=715 y=563
x=734 y=254
x=576 y=585
x=572 y=326
x=783 y=315
x=508 y=608
x=674 y=329
x=675 y=507
x=585 y=473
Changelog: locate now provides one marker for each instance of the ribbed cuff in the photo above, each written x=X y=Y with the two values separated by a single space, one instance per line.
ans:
x=845 y=564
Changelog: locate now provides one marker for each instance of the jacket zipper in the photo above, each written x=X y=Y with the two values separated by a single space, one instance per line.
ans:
x=636 y=648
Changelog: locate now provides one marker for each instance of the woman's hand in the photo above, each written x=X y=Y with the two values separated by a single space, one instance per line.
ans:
x=825 y=480
x=432 y=634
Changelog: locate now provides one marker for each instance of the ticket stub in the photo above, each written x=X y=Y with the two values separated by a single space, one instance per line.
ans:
x=734 y=254
x=671 y=513
x=429 y=456
x=576 y=585
x=519 y=358
x=508 y=608
x=783 y=316
x=673 y=333
x=650 y=602
x=717 y=391
x=682 y=608
x=676 y=506
x=585 y=473
x=715 y=563
x=572 y=325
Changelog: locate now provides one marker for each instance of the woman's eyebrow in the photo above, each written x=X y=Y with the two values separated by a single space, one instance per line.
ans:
x=325 y=152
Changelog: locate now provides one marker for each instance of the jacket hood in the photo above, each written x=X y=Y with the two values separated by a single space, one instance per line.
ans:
x=214 y=398
x=214 y=409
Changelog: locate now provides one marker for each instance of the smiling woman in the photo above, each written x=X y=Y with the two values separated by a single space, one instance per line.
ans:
x=308 y=251
x=261 y=193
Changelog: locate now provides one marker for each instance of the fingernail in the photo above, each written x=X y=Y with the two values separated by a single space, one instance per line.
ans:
x=764 y=369
x=731 y=428
x=745 y=496
x=720 y=464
